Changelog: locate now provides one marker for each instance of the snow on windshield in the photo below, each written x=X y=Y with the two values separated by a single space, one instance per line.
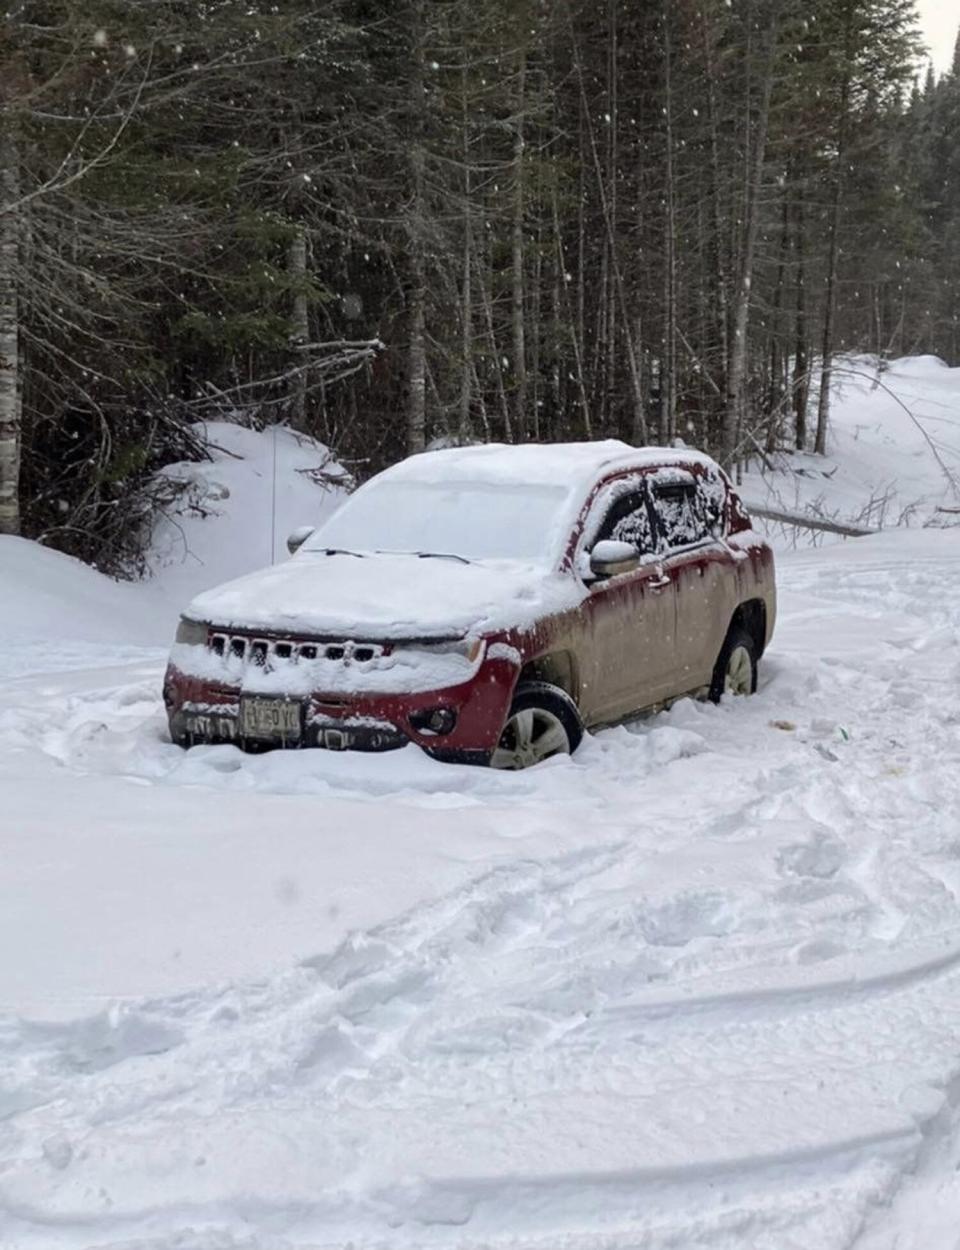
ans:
x=475 y=520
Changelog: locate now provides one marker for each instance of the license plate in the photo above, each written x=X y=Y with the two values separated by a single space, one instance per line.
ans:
x=274 y=719
x=211 y=728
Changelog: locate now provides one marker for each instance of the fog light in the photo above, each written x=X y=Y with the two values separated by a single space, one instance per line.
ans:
x=442 y=720
x=434 y=720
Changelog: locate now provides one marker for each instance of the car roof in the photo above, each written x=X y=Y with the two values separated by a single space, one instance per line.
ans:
x=533 y=464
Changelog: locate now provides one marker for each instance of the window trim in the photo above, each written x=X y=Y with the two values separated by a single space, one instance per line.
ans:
x=597 y=507
x=640 y=492
x=641 y=478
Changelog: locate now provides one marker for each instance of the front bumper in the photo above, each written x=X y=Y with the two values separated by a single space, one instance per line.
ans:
x=221 y=721
x=199 y=711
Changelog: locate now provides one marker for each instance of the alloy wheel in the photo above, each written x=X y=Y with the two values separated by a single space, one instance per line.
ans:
x=738 y=678
x=529 y=737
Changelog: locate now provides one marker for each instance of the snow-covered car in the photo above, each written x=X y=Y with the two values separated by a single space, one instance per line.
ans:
x=487 y=603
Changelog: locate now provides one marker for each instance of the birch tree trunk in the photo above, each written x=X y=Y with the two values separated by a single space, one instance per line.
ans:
x=610 y=387
x=572 y=324
x=416 y=226
x=830 y=303
x=517 y=300
x=9 y=337
x=615 y=276
x=736 y=377
x=495 y=362
x=717 y=250
x=417 y=362
x=536 y=303
x=775 y=383
x=668 y=365
x=801 y=376
x=466 y=285
x=300 y=324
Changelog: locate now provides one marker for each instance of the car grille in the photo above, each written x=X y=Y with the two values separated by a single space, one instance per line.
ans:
x=268 y=651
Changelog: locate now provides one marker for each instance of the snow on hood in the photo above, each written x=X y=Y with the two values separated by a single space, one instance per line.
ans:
x=386 y=596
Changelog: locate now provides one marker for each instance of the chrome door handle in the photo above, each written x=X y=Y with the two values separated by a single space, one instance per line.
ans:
x=659 y=585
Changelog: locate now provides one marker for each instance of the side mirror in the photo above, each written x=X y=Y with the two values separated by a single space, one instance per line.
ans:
x=298 y=538
x=609 y=557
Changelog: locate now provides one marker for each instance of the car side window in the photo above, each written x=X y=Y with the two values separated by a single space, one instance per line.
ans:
x=713 y=496
x=682 y=515
x=628 y=521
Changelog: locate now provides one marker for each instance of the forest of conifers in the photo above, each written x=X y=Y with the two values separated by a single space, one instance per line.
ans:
x=389 y=222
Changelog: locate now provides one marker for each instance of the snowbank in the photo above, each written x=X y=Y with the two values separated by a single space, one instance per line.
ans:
x=58 y=614
x=893 y=450
x=239 y=507
x=236 y=512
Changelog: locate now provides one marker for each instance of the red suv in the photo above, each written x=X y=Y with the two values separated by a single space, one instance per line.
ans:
x=487 y=603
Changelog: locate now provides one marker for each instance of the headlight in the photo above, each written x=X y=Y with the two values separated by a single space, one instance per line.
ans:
x=191 y=633
x=469 y=648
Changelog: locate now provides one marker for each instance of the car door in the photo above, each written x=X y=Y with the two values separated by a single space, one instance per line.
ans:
x=629 y=618
x=699 y=565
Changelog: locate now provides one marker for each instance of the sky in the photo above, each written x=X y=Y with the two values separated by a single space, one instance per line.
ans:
x=939 y=21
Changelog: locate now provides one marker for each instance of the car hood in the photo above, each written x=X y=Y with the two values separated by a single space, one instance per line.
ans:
x=386 y=597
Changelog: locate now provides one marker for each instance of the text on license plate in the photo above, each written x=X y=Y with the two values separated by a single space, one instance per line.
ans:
x=270 y=718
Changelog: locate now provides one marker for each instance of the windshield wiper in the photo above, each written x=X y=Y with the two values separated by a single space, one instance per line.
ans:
x=424 y=555
x=342 y=551
x=440 y=555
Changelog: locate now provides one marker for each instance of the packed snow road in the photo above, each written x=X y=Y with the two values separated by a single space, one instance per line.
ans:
x=698 y=986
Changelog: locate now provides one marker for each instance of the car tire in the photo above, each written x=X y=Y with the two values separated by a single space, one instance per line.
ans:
x=543 y=721
x=735 y=672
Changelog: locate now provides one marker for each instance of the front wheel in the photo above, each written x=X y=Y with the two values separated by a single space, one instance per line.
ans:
x=736 y=668
x=543 y=721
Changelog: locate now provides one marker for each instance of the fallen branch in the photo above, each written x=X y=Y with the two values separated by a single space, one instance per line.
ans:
x=804 y=521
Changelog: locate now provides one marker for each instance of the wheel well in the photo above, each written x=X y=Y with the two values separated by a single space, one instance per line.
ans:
x=556 y=668
x=752 y=616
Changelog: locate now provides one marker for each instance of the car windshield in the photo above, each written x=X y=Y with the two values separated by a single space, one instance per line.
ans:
x=472 y=520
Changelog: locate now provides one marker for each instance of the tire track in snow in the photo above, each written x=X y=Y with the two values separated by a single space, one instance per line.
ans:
x=856 y=978
x=806 y=1203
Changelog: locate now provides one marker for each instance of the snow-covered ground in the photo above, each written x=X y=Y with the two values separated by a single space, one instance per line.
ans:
x=697 y=987
x=893 y=455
